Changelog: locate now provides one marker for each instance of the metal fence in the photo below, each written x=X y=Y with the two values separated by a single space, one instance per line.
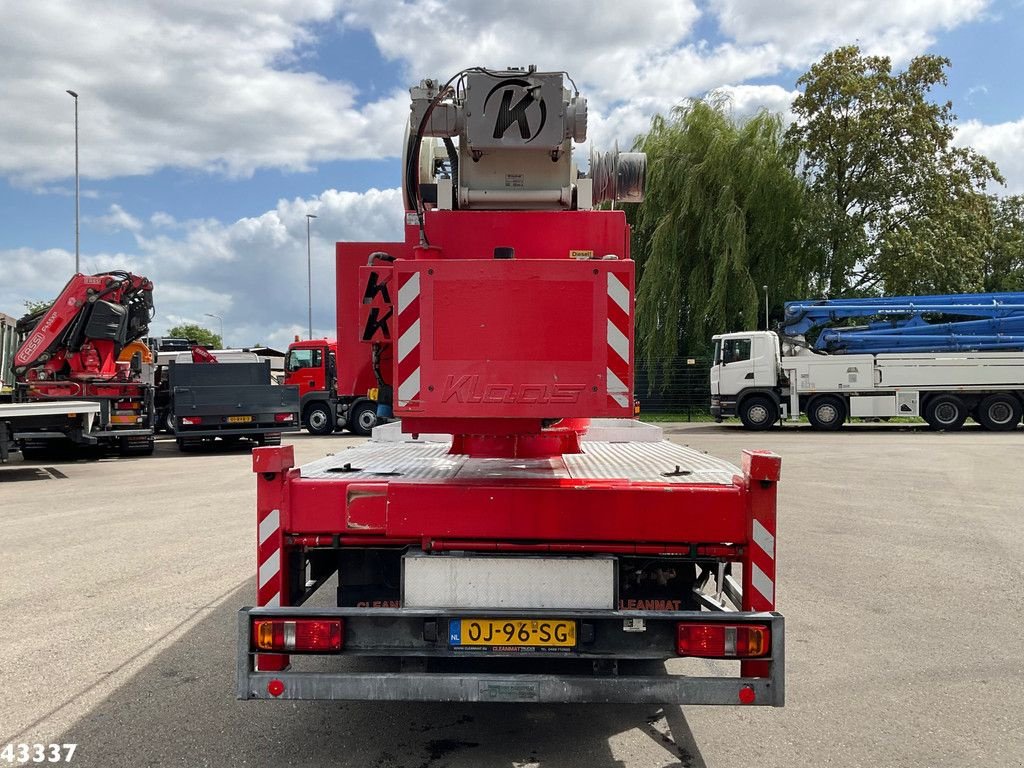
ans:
x=683 y=390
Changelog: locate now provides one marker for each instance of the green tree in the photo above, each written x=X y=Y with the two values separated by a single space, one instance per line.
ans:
x=892 y=204
x=1004 y=261
x=194 y=332
x=718 y=222
x=32 y=306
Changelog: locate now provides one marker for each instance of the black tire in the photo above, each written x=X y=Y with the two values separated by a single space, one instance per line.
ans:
x=363 y=418
x=272 y=439
x=945 y=413
x=827 y=412
x=759 y=412
x=167 y=422
x=319 y=419
x=188 y=444
x=999 y=413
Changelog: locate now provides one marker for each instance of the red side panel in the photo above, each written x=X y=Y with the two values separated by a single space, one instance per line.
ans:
x=521 y=338
x=355 y=371
x=533 y=234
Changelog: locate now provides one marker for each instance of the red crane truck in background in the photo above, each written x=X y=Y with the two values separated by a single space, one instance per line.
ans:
x=85 y=348
x=516 y=536
x=328 y=402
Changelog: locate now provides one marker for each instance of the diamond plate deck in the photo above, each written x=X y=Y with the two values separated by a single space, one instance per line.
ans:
x=639 y=462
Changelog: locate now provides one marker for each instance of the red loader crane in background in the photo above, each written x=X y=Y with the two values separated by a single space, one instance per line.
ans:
x=85 y=348
x=517 y=536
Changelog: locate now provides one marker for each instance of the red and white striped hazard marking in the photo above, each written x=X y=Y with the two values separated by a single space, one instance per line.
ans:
x=268 y=575
x=762 y=564
x=408 y=348
x=618 y=341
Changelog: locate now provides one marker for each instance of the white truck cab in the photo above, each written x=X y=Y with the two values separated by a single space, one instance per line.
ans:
x=746 y=364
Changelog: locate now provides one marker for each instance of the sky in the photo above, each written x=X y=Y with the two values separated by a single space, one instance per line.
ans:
x=209 y=130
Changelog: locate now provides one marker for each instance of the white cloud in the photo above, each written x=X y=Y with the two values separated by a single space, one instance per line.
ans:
x=806 y=28
x=1003 y=143
x=252 y=272
x=631 y=69
x=228 y=88
x=187 y=84
x=163 y=220
x=116 y=219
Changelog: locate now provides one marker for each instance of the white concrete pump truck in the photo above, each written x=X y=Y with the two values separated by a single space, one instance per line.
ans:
x=944 y=358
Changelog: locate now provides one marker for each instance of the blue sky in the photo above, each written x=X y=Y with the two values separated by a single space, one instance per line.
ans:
x=208 y=133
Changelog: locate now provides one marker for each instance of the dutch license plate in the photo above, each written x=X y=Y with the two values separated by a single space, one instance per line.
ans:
x=239 y=419
x=512 y=633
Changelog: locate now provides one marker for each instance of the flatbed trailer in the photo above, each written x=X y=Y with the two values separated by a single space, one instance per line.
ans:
x=72 y=419
x=561 y=534
x=229 y=401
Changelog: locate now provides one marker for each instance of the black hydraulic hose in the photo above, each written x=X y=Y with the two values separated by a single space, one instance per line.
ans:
x=453 y=160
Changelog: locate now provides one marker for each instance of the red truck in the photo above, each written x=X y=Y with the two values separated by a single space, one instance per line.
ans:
x=328 y=403
x=516 y=536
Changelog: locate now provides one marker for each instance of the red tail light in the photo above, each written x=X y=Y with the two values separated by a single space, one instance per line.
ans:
x=191 y=421
x=299 y=635
x=282 y=418
x=723 y=641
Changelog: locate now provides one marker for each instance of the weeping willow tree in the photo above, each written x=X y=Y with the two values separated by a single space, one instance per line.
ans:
x=719 y=222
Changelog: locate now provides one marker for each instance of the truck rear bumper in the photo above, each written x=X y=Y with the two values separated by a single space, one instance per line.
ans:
x=239 y=430
x=470 y=686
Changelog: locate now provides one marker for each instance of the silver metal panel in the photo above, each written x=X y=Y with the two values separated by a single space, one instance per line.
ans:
x=873 y=405
x=495 y=583
x=637 y=462
x=390 y=686
x=908 y=403
x=376 y=461
x=649 y=462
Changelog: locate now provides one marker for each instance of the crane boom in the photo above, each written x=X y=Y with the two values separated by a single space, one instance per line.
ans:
x=938 y=323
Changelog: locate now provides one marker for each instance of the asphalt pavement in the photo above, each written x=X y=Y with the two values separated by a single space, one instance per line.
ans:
x=900 y=573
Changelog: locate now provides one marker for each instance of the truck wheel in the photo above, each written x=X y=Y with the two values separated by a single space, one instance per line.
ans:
x=827 y=413
x=363 y=419
x=319 y=419
x=168 y=422
x=759 y=412
x=269 y=439
x=945 y=412
x=999 y=413
x=187 y=444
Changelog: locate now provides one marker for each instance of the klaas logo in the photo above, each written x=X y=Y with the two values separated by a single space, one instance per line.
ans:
x=525 y=95
x=468 y=389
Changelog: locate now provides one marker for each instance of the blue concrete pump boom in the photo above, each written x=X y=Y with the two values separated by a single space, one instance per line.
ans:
x=941 y=323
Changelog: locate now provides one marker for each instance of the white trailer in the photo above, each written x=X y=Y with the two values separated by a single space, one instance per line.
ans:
x=21 y=422
x=755 y=377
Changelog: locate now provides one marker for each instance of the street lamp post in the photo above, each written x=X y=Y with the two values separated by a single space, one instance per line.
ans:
x=77 y=209
x=309 y=274
x=224 y=344
x=766 y=308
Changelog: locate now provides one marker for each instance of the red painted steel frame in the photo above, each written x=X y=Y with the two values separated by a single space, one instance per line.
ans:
x=733 y=522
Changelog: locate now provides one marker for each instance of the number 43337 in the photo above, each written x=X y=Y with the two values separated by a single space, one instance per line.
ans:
x=37 y=753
